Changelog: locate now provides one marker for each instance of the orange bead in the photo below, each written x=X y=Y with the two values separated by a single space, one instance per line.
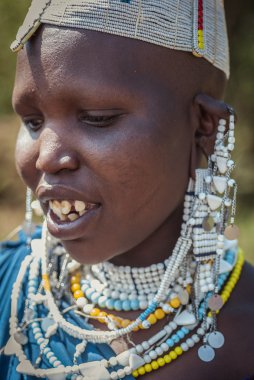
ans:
x=125 y=322
x=74 y=279
x=118 y=321
x=188 y=288
x=159 y=314
x=152 y=319
x=95 y=312
x=75 y=287
x=102 y=316
x=77 y=294
x=175 y=303
x=112 y=316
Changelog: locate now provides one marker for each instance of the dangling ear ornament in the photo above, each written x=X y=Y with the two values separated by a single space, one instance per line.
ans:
x=217 y=192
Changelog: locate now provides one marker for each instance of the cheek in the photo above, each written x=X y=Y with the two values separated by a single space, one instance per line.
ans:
x=25 y=156
x=145 y=175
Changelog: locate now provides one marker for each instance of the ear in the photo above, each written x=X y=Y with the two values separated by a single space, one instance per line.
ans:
x=206 y=114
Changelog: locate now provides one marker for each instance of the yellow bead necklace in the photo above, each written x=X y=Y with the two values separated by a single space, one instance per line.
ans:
x=119 y=322
x=178 y=351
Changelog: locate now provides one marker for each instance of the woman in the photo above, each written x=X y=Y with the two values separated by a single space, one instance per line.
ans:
x=132 y=268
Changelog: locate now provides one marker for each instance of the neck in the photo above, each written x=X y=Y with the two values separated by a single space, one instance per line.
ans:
x=157 y=247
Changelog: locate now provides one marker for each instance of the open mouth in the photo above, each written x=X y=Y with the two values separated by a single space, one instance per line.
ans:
x=70 y=210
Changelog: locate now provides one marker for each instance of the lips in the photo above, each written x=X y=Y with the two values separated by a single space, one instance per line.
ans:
x=69 y=213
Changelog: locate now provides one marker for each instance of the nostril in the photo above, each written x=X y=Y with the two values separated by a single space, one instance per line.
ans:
x=53 y=162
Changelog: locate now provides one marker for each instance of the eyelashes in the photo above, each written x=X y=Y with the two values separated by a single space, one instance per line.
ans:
x=33 y=124
x=99 y=121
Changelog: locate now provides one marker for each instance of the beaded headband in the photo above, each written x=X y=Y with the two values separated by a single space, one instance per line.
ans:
x=196 y=26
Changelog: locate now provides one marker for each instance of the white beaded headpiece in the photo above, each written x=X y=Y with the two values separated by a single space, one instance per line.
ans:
x=196 y=26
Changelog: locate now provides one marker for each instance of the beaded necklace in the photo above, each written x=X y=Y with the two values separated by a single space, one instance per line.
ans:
x=155 y=353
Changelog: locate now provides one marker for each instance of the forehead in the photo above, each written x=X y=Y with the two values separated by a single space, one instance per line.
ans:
x=61 y=57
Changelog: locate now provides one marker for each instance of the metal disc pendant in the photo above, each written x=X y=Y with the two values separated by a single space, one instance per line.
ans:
x=46 y=323
x=183 y=296
x=208 y=223
x=20 y=338
x=206 y=353
x=231 y=232
x=215 y=302
x=216 y=339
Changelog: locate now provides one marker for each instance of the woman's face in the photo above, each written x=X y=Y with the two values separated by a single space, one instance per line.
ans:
x=105 y=122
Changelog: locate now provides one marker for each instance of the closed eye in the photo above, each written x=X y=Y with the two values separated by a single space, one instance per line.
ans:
x=99 y=120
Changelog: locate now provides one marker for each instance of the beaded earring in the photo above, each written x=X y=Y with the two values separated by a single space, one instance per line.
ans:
x=28 y=222
x=213 y=187
x=32 y=208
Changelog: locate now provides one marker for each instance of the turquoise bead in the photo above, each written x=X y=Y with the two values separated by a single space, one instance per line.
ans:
x=95 y=296
x=175 y=338
x=89 y=293
x=102 y=301
x=126 y=305
x=180 y=334
x=135 y=304
x=170 y=342
x=110 y=304
x=118 y=305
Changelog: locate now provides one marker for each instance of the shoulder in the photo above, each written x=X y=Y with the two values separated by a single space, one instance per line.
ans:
x=12 y=253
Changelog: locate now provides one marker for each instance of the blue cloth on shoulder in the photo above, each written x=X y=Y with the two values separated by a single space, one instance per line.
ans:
x=11 y=256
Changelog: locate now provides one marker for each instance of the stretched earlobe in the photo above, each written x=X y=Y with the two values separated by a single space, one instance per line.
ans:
x=208 y=111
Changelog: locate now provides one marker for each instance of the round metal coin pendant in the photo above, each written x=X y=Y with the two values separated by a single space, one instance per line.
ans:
x=206 y=353
x=208 y=223
x=215 y=302
x=216 y=339
x=46 y=323
x=183 y=296
x=231 y=232
x=21 y=338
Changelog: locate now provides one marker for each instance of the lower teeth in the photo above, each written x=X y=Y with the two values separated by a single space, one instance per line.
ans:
x=72 y=217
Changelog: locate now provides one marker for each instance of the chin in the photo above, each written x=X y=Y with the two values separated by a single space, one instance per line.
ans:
x=82 y=252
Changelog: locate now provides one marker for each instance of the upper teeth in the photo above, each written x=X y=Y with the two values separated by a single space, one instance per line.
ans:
x=79 y=206
x=67 y=209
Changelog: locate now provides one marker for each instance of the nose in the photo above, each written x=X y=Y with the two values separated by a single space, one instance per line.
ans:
x=56 y=153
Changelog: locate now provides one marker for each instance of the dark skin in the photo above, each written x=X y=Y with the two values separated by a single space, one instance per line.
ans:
x=125 y=123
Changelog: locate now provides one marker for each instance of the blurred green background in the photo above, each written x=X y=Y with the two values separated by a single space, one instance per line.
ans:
x=240 y=18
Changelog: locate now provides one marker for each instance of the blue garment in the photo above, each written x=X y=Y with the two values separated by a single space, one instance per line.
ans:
x=11 y=256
